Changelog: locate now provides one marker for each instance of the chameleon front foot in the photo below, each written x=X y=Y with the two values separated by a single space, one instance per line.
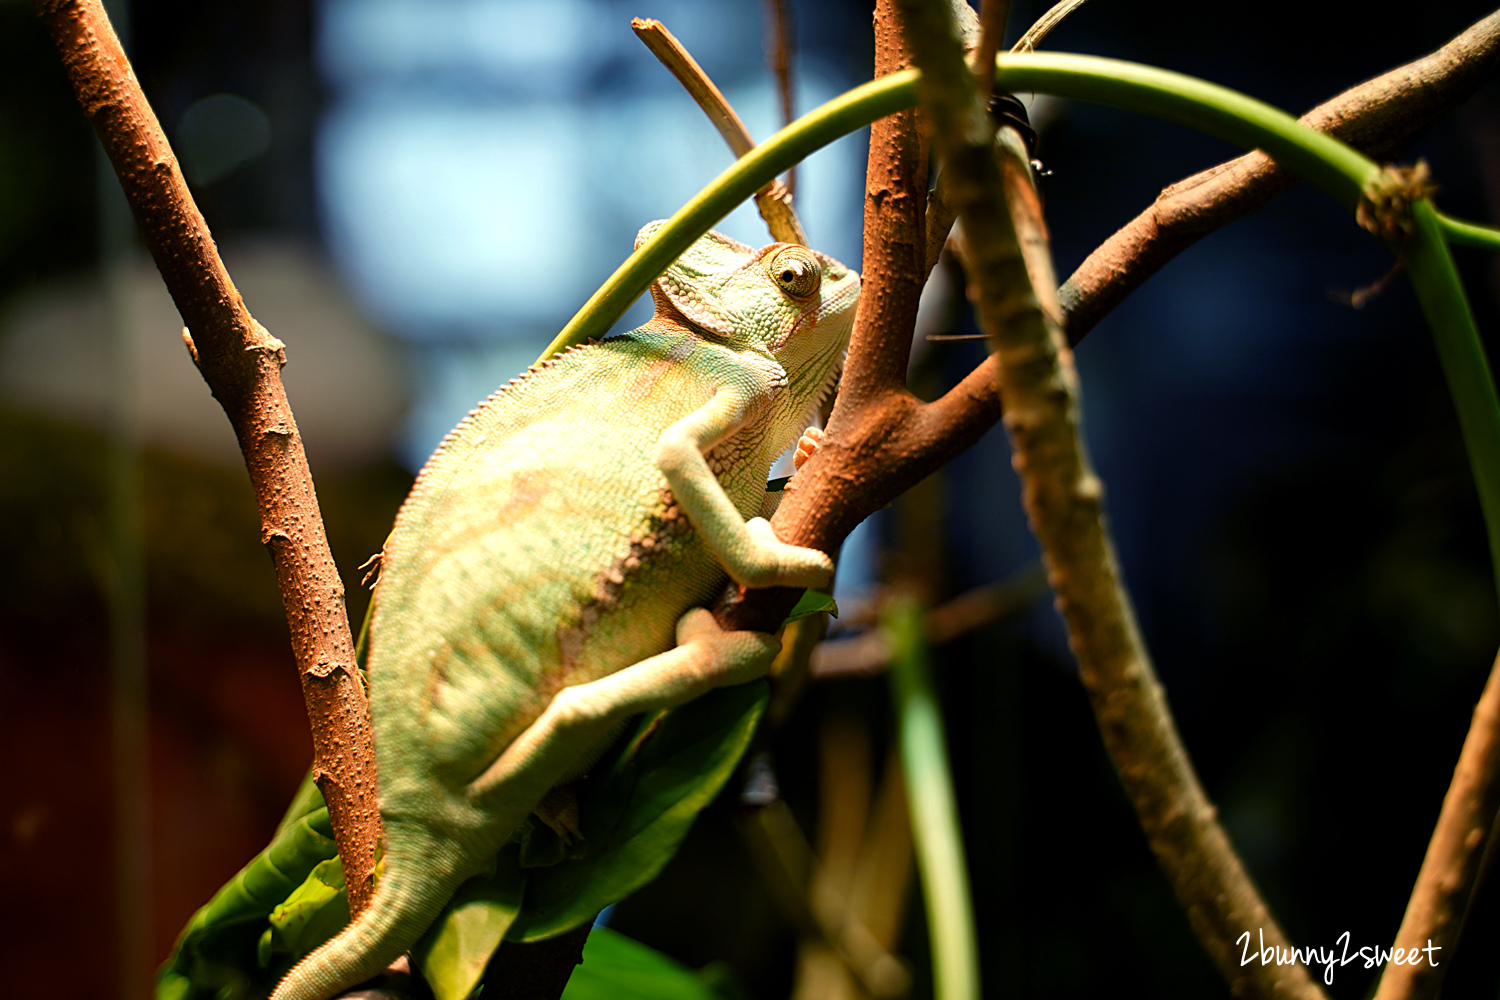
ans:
x=770 y=562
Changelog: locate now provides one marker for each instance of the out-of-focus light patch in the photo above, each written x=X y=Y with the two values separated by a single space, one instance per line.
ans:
x=451 y=380
x=219 y=133
x=472 y=219
x=486 y=164
x=500 y=40
x=453 y=216
x=858 y=569
x=529 y=45
x=662 y=150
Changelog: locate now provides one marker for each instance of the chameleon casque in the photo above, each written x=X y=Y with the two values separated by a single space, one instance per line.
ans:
x=545 y=579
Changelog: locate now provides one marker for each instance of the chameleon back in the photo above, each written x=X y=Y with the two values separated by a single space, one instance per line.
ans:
x=540 y=549
x=543 y=501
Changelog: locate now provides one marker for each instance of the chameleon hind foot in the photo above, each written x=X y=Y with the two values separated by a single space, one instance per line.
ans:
x=807 y=446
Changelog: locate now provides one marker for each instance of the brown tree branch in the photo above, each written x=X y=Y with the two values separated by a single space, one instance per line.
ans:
x=1011 y=283
x=1450 y=871
x=834 y=491
x=241 y=363
x=881 y=441
x=1054 y=16
x=992 y=16
x=1380 y=117
x=779 y=51
x=774 y=200
x=870 y=652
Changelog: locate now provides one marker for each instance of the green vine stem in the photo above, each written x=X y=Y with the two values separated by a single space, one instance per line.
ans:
x=1435 y=280
x=814 y=130
x=1333 y=166
x=1469 y=234
x=936 y=833
x=1339 y=170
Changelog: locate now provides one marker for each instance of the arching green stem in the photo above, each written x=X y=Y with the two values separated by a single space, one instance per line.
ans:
x=814 y=130
x=1326 y=162
x=1469 y=234
x=1441 y=294
x=1340 y=171
x=936 y=833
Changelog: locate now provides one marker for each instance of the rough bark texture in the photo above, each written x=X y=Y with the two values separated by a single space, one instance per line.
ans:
x=242 y=364
x=1455 y=856
x=1011 y=284
x=881 y=440
x=1380 y=117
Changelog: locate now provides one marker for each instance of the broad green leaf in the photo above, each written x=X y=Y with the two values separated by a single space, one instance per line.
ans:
x=617 y=968
x=217 y=951
x=810 y=603
x=454 y=952
x=305 y=801
x=314 y=912
x=645 y=801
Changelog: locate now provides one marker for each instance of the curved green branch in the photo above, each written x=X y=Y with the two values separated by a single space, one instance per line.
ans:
x=1469 y=234
x=1328 y=163
x=1435 y=279
x=1340 y=171
x=814 y=130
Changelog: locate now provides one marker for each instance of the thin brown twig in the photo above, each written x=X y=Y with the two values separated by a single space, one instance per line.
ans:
x=865 y=852
x=241 y=362
x=779 y=43
x=870 y=653
x=871 y=421
x=1381 y=117
x=773 y=200
x=813 y=904
x=992 y=16
x=1011 y=284
x=1054 y=16
x=881 y=440
x=1445 y=885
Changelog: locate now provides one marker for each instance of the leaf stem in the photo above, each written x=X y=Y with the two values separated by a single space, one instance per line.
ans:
x=1435 y=279
x=840 y=116
x=1469 y=234
x=934 y=813
x=1333 y=166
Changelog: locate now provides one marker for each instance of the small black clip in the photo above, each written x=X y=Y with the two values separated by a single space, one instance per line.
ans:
x=1007 y=109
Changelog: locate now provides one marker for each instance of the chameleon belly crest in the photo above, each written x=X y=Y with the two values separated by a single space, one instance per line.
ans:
x=540 y=582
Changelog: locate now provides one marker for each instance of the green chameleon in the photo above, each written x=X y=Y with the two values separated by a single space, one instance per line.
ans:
x=545 y=579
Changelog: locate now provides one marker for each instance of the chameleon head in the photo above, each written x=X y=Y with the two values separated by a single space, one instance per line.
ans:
x=786 y=301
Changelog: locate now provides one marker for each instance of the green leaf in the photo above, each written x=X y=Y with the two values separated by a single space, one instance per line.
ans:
x=638 y=809
x=316 y=911
x=617 y=968
x=305 y=801
x=810 y=603
x=217 y=951
x=455 y=950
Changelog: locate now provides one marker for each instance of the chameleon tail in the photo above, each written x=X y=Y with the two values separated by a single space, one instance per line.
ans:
x=417 y=883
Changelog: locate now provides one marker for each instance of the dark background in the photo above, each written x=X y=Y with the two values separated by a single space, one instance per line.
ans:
x=1287 y=489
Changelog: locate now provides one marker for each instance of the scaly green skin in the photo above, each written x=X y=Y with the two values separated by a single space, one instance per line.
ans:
x=541 y=581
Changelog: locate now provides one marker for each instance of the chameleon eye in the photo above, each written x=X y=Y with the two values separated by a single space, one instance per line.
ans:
x=795 y=271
